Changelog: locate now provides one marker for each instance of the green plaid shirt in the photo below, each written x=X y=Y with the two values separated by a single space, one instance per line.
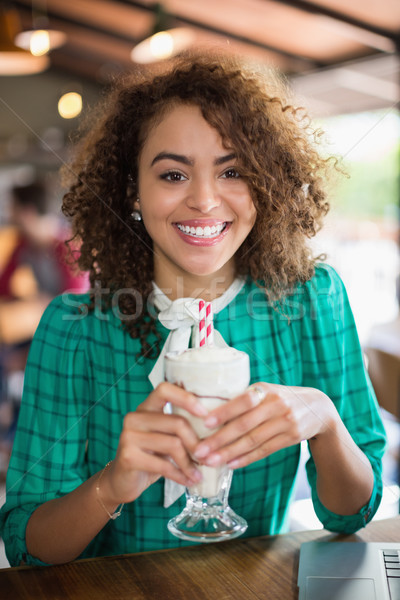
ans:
x=82 y=378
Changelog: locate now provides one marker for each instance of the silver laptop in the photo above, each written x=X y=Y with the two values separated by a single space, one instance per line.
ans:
x=349 y=571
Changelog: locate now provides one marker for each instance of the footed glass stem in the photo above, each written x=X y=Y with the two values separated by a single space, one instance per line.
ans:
x=208 y=519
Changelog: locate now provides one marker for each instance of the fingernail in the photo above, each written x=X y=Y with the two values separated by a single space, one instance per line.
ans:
x=211 y=422
x=213 y=460
x=200 y=410
x=202 y=451
x=257 y=394
x=196 y=475
x=233 y=464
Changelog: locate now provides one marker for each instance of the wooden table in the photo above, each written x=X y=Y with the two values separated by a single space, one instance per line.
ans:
x=243 y=569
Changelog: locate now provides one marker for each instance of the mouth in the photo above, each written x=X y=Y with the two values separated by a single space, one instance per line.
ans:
x=203 y=232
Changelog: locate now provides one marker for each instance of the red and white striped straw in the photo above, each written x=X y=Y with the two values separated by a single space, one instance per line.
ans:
x=209 y=325
x=202 y=323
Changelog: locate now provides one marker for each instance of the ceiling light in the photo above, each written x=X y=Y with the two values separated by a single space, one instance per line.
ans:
x=40 y=41
x=70 y=105
x=163 y=42
x=15 y=60
x=162 y=45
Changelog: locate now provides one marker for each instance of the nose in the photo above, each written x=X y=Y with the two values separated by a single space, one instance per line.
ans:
x=203 y=196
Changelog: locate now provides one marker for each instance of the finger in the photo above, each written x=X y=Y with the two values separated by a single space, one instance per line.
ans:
x=174 y=425
x=167 y=446
x=267 y=448
x=169 y=393
x=244 y=402
x=164 y=467
x=244 y=444
x=271 y=408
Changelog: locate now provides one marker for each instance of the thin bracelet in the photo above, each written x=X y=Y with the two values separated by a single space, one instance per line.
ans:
x=117 y=513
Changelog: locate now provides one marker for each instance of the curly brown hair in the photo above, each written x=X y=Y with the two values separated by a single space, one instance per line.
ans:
x=277 y=154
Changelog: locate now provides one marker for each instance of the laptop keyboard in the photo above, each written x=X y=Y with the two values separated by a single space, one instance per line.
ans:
x=392 y=566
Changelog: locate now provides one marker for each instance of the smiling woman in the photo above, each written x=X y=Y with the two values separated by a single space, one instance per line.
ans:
x=270 y=153
x=200 y=184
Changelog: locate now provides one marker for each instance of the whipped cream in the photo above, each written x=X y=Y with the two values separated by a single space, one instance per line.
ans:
x=209 y=371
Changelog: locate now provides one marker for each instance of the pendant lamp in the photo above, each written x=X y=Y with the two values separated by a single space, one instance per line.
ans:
x=40 y=39
x=163 y=41
x=15 y=60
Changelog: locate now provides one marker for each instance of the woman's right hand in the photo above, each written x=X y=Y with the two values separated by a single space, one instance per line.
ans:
x=153 y=444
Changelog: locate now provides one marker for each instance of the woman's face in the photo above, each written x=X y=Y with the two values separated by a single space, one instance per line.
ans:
x=195 y=206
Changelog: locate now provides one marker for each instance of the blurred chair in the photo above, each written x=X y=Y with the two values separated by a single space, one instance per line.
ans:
x=384 y=371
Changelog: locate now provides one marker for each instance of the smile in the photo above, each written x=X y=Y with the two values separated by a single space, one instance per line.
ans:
x=202 y=232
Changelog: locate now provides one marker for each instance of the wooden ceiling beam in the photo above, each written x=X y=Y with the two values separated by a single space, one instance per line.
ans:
x=318 y=9
x=62 y=17
x=53 y=13
x=180 y=19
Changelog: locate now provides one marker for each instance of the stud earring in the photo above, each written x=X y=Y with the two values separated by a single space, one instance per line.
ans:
x=136 y=214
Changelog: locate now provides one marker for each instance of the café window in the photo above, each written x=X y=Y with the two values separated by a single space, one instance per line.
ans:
x=360 y=235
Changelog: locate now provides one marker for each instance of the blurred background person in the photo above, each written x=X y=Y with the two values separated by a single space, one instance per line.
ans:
x=33 y=269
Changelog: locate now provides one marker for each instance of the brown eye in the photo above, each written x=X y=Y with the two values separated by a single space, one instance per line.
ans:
x=173 y=176
x=231 y=173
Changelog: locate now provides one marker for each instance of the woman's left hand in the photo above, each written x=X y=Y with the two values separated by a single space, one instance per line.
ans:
x=264 y=419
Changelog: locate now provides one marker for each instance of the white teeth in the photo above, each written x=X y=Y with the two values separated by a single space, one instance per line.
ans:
x=206 y=231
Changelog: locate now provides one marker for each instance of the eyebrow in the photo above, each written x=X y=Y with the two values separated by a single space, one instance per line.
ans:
x=189 y=161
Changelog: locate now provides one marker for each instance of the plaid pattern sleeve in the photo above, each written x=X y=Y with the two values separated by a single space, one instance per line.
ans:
x=333 y=362
x=48 y=451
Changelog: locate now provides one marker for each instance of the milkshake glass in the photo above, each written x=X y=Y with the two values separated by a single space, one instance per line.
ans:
x=214 y=375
